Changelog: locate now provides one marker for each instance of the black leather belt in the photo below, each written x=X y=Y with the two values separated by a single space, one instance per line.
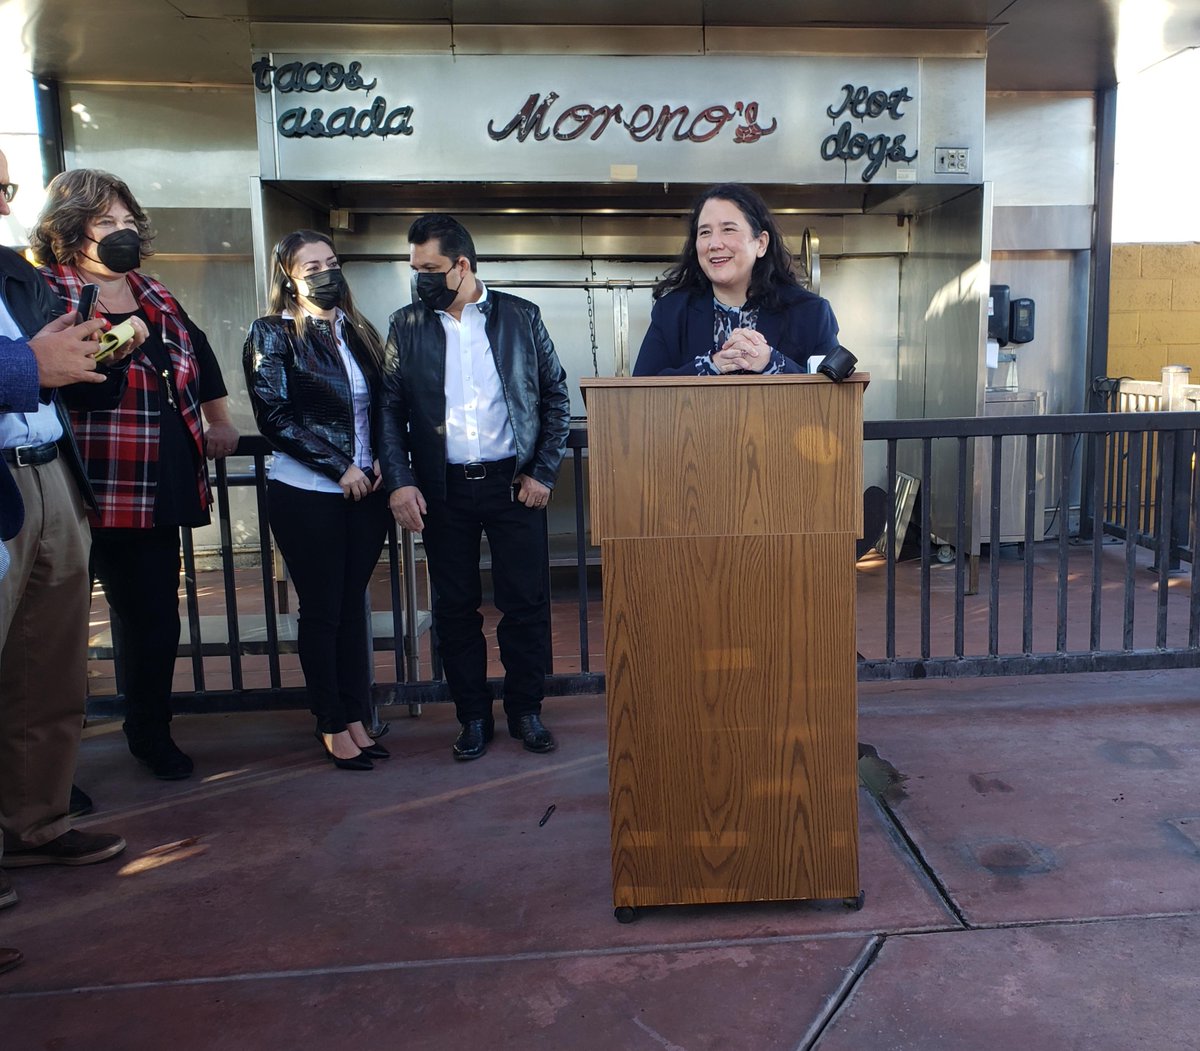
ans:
x=31 y=455
x=481 y=469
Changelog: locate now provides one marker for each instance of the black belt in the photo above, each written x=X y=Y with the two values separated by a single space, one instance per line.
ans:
x=31 y=455
x=481 y=469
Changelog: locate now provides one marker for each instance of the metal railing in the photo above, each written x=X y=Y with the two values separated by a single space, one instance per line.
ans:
x=272 y=632
x=1173 y=393
x=1079 y=577
x=1084 y=605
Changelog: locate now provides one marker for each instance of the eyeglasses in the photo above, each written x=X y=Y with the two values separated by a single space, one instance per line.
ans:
x=8 y=190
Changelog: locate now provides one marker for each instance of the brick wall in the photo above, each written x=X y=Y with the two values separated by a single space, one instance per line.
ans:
x=1154 y=309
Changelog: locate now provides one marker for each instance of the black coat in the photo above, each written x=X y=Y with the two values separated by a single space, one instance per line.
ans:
x=300 y=391
x=33 y=306
x=412 y=416
x=681 y=330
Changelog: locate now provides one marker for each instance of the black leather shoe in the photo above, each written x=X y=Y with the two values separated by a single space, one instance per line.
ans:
x=164 y=758
x=9 y=958
x=8 y=893
x=530 y=730
x=473 y=739
x=73 y=847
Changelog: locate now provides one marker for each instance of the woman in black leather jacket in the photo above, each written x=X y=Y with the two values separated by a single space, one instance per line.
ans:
x=313 y=368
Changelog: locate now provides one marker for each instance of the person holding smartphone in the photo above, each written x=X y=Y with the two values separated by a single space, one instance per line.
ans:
x=313 y=368
x=145 y=457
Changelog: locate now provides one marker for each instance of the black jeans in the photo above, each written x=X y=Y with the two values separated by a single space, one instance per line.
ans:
x=517 y=538
x=331 y=546
x=139 y=571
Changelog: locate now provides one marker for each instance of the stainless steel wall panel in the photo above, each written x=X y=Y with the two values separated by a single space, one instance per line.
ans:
x=629 y=236
x=425 y=34
x=942 y=325
x=1041 y=148
x=771 y=36
x=176 y=147
x=633 y=237
x=928 y=14
x=522 y=237
x=864 y=235
x=202 y=231
x=600 y=39
x=219 y=296
x=864 y=294
x=585 y=12
x=1037 y=228
x=952 y=107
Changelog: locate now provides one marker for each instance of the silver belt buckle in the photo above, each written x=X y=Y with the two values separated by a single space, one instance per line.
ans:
x=474 y=472
x=19 y=455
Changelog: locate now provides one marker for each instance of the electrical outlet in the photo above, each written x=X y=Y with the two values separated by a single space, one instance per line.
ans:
x=951 y=160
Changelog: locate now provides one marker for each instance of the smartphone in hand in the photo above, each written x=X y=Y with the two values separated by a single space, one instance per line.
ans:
x=87 y=302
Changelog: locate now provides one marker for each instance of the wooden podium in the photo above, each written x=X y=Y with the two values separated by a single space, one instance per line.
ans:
x=726 y=509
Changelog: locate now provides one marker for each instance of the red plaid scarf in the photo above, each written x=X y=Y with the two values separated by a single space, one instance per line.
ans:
x=120 y=447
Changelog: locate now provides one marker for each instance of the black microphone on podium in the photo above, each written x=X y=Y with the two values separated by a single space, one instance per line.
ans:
x=838 y=364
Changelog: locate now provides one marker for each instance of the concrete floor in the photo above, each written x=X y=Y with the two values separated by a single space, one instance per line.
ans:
x=1030 y=856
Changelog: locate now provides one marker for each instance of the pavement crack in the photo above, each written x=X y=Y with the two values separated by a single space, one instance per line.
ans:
x=885 y=783
x=833 y=1006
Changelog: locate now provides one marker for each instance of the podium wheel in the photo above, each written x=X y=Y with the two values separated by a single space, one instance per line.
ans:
x=855 y=903
x=414 y=711
x=625 y=913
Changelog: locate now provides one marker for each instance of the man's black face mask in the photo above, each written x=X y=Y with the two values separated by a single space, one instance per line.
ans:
x=432 y=290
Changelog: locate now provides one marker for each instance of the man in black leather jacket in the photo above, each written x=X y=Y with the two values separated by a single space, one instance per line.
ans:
x=472 y=430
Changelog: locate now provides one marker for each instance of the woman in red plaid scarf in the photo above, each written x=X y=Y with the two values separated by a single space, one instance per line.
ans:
x=146 y=458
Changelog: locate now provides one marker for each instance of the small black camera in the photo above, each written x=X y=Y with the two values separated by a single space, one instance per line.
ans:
x=838 y=365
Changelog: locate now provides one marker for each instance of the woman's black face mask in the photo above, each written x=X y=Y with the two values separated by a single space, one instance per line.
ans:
x=120 y=251
x=325 y=288
x=432 y=290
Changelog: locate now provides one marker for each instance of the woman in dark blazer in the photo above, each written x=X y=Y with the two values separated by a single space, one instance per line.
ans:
x=732 y=303
x=313 y=368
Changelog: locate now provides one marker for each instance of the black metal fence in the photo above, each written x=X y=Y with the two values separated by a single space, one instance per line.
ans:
x=1147 y=398
x=1085 y=603
x=1092 y=586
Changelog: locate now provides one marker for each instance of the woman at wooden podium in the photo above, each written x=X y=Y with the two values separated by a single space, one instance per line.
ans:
x=732 y=303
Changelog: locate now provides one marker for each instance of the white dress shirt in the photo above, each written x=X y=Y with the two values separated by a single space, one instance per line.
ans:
x=477 y=424
x=25 y=428
x=289 y=470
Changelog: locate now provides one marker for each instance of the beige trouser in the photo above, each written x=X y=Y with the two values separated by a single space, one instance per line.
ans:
x=43 y=656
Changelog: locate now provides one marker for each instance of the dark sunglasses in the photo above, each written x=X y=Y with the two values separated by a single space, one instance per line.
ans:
x=9 y=190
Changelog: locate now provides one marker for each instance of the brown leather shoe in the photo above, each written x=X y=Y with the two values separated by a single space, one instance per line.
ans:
x=10 y=958
x=71 y=848
x=8 y=893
